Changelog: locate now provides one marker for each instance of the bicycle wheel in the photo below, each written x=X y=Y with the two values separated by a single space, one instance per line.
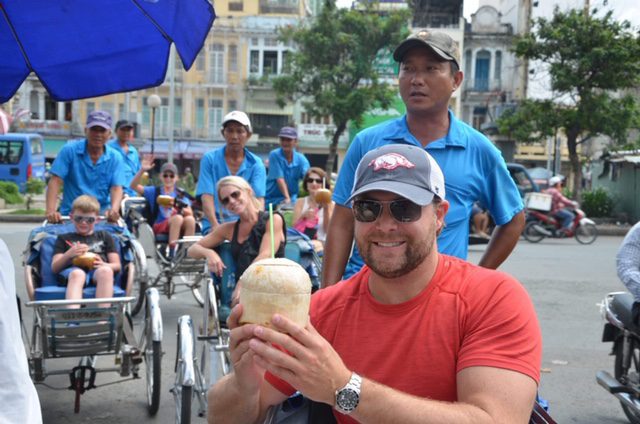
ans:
x=531 y=234
x=586 y=234
x=628 y=377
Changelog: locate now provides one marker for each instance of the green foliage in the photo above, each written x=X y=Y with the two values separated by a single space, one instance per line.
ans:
x=590 y=61
x=9 y=192
x=35 y=186
x=332 y=70
x=597 y=203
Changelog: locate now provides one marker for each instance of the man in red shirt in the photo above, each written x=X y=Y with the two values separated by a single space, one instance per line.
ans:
x=560 y=205
x=416 y=336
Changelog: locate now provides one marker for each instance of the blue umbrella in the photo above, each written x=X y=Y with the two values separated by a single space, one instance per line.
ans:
x=89 y=48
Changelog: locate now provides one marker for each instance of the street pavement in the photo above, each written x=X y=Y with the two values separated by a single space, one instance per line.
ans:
x=566 y=282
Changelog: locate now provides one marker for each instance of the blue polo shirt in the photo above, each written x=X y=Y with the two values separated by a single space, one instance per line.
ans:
x=279 y=167
x=213 y=168
x=81 y=176
x=131 y=164
x=473 y=170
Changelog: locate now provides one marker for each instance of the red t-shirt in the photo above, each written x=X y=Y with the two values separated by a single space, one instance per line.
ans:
x=466 y=316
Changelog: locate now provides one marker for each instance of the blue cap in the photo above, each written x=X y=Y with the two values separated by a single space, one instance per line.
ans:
x=99 y=118
x=288 y=132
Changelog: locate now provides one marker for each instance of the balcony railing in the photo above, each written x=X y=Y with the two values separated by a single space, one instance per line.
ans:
x=483 y=84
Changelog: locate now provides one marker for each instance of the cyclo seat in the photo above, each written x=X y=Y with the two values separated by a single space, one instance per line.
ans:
x=40 y=255
x=622 y=306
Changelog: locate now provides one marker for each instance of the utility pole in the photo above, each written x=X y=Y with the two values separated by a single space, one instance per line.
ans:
x=586 y=8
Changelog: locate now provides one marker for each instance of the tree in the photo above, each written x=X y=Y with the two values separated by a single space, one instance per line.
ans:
x=332 y=71
x=591 y=62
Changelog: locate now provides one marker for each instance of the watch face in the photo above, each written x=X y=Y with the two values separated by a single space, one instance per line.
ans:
x=347 y=399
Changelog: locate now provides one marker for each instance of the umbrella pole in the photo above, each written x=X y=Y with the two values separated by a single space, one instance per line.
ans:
x=153 y=127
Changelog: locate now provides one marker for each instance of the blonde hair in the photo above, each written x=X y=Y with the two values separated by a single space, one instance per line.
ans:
x=241 y=184
x=86 y=204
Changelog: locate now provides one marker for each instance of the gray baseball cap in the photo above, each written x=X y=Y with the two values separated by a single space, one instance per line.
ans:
x=99 y=118
x=405 y=170
x=439 y=42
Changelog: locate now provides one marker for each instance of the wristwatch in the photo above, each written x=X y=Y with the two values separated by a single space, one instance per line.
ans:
x=348 y=397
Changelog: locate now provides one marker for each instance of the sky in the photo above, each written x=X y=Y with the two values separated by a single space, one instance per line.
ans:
x=628 y=9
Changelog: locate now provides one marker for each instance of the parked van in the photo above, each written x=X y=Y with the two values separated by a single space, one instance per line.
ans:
x=21 y=158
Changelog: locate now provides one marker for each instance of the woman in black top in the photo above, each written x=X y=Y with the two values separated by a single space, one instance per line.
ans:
x=249 y=236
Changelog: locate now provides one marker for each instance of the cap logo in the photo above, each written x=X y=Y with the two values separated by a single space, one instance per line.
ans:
x=423 y=34
x=390 y=161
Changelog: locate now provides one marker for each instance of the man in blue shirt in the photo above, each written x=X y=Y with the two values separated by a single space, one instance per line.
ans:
x=124 y=134
x=286 y=168
x=232 y=159
x=87 y=167
x=474 y=169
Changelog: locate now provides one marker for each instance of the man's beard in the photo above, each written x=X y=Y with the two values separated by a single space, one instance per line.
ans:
x=414 y=255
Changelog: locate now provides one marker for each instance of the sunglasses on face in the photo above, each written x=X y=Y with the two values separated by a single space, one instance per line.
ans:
x=88 y=219
x=401 y=210
x=235 y=195
x=314 y=180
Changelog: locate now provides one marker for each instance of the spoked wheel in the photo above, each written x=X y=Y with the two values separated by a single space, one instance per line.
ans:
x=139 y=287
x=153 y=357
x=531 y=234
x=629 y=377
x=586 y=234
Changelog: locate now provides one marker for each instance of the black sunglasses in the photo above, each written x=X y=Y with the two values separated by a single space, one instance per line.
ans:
x=314 y=180
x=235 y=195
x=88 y=219
x=402 y=210
x=168 y=175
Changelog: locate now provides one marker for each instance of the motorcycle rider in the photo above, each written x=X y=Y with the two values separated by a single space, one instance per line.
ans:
x=628 y=266
x=561 y=207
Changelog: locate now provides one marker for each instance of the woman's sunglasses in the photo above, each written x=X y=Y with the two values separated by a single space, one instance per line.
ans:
x=314 y=180
x=235 y=195
x=168 y=175
x=88 y=219
x=401 y=210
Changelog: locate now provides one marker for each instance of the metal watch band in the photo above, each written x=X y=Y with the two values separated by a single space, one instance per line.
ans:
x=348 y=397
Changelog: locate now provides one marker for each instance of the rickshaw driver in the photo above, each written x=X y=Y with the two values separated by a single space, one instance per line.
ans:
x=87 y=167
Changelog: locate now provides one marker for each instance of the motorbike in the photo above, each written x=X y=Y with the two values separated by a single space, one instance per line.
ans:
x=619 y=328
x=542 y=224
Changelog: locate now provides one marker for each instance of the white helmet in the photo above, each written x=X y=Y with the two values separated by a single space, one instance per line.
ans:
x=555 y=180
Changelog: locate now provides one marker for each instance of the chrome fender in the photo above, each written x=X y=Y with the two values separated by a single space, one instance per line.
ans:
x=155 y=316
x=187 y=347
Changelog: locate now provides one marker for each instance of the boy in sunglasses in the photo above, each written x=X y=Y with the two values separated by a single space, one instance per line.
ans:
x=416 y=336
x=171 y=220
x=84 y=215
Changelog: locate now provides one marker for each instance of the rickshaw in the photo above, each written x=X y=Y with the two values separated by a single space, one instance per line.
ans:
x=196 y=367
x=173 y=272
x=92 y=331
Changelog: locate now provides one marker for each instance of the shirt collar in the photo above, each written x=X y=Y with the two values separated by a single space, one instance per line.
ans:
x=456 y=137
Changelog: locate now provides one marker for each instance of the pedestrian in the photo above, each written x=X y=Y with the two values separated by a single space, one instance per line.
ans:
x=20 y=403
x=416 y=336
x=84 y=239
x=130 y=156
x=188 y=181
x=175 y=220
x=475 y=170
x=287 y=167
x=232 y=159
x=87 y=167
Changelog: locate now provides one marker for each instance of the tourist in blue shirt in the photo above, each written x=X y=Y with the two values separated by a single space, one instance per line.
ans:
x=232 y=159
x=87 y=167
x=286 y=168
x=124 y=134
x=474 y=169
